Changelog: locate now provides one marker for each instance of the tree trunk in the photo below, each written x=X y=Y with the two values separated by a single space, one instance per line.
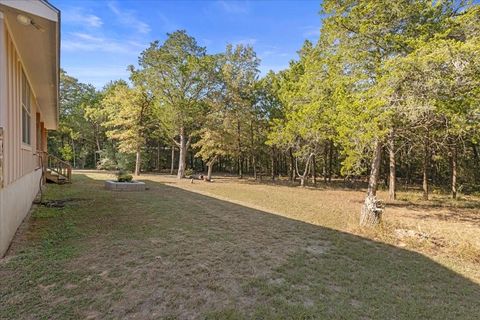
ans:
x=454 y=172
x=97 y=142
x=254 y=164
x=426 y=165
x=292 y=165
x=384 y=165
x=408 y=174
x=172 y=164
x=210 y=168
x=476 y=161
x=158 y=156
x=273 y=163
x=330 y=161
x=239 y=149
x=375 y=170
x=371 y=213
x=209 y=171
x=392 y=178
x=325 y=162
x=192 y=161
x=305 y=172
x=240 y=167
x=475 y=155
x=183 y=155
x=137 y=162
x=314 y=171
x=73 y=153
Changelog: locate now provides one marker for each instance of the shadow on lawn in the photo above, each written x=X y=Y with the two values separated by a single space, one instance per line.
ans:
x=339 y=184
x=465 y=212
x=336 y=183
x=179 y=254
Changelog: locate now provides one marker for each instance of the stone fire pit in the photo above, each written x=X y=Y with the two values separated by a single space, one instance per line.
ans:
x=125 y=186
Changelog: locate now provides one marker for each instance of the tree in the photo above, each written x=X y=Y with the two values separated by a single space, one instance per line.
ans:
x=390 y=90
x=305 y=124
x=129 y=113
x=95 y=116
x=215 y=140
x=73 y=140
x=438 y=83
x=181 y=75
x=239 y=71
x=364 y=36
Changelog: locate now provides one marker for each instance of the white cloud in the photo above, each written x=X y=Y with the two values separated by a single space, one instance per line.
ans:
x=79 y=17
x=128 y=18
x=234 y=6
x=79 y=41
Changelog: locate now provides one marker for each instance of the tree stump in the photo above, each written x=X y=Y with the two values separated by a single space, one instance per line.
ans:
x=372 y=210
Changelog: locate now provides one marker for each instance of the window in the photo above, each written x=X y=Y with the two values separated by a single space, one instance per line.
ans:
x=26 y=110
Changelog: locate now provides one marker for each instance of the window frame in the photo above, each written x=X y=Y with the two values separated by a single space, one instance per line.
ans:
x=26 y=112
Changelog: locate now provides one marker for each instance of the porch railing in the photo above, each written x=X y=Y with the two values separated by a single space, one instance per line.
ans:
x=56 y=165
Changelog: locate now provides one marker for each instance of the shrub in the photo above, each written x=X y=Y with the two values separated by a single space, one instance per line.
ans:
x=188 y=173
x=107 y=164
x=123 y=176
x=469 y=188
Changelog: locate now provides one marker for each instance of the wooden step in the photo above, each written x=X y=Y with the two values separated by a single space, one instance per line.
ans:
x=55 y=178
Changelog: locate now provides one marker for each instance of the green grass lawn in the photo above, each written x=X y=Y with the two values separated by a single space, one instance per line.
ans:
x=171 y=253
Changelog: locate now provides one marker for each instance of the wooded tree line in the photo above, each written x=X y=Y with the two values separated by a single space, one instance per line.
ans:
x=390 y=91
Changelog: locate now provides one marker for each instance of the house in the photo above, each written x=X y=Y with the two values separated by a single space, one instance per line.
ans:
x=29 y=86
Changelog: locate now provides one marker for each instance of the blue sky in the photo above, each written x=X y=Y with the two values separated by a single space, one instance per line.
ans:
x=101 y=38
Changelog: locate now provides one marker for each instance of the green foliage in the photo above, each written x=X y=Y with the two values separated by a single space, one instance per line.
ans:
x=379 y=66
x=66 y=152
x=107 y=164
x=188 y=172
x=126 y=161
x=76 y=136
x=180 y=73
x=128 y=116
x=231 y=125
x=123 y=176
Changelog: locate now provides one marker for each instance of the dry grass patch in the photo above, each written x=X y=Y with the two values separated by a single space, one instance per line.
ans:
x=178 y=253
x=452 y=226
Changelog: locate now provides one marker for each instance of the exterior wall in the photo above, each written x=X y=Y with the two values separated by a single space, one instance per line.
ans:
x=14 y=208
x=19 y=158
x=20 y=170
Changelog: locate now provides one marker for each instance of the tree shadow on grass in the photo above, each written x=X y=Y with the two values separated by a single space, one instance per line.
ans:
x=442 y=211
x=335 y=184
x=172 y=253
